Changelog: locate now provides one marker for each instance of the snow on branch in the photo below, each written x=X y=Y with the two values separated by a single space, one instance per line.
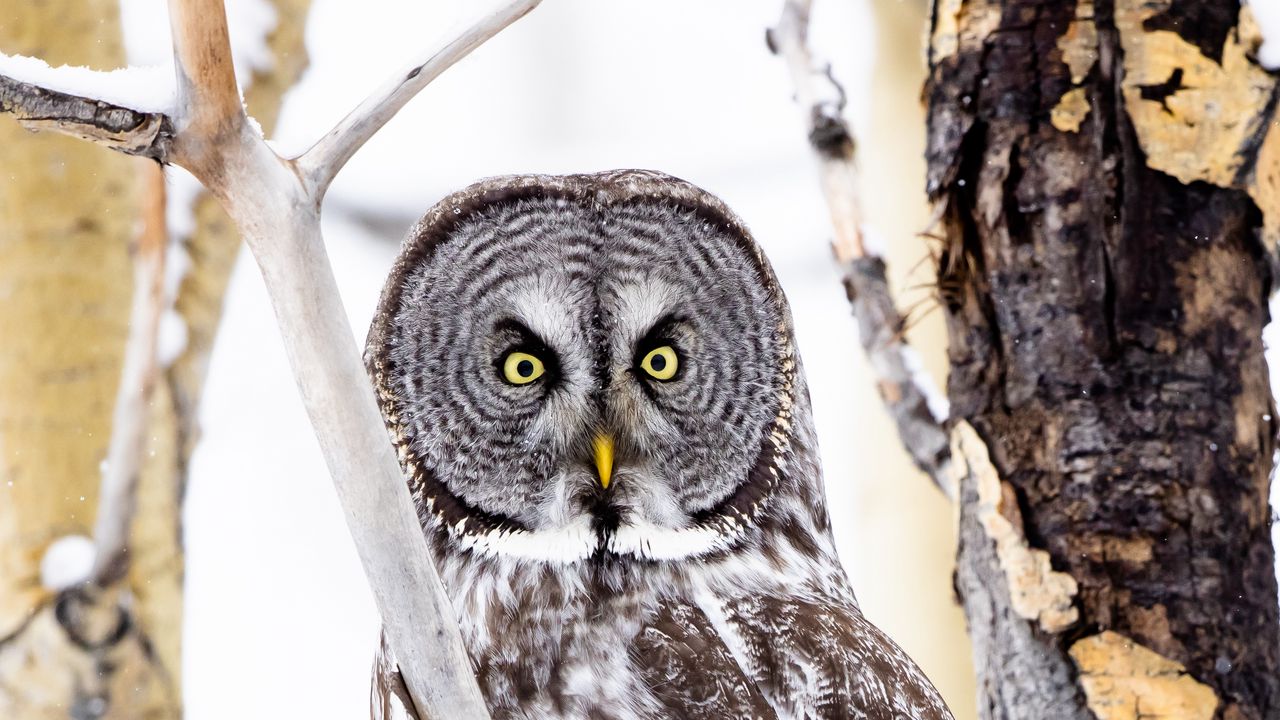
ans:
x=902 y=386
x=322 y=162
x=125 y=109
x=143 y=89
x=277 y=209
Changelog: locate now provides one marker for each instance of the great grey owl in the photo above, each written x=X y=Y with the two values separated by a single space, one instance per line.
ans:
x=593 y=385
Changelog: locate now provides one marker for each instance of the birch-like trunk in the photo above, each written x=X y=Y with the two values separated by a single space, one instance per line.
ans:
x=69 y=215
x=1107 y=184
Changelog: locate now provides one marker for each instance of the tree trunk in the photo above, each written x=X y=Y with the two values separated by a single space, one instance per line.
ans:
x=69 y=213
x=1107 y=190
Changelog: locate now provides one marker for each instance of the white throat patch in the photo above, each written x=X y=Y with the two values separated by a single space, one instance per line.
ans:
x=578 y=541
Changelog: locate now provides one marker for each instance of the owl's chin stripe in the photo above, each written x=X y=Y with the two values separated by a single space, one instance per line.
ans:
x=569 y=544
x=652 y=542
x=578 y=542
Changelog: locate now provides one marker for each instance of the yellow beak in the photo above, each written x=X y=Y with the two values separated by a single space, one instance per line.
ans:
x=603 y=445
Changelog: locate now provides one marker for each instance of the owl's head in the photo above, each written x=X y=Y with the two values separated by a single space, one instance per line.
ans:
x=586 y=365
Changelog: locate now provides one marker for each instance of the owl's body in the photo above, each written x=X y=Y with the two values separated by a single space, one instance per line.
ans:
x=593 y=384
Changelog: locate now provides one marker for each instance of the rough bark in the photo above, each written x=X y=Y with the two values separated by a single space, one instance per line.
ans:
x=70 y=216
x=1106 y=271
x=129 y=131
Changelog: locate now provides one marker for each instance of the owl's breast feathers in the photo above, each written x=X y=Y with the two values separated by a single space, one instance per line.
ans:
x=816 y=659
x=769 y=657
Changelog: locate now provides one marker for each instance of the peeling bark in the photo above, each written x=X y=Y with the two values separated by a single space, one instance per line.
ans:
x=1106 y=178
x=1123 y=680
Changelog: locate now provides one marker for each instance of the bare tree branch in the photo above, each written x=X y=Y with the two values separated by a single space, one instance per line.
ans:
x=828 y=133
x=880 y=324
x=117 y=501
x=278 y=213
x=211 y=127
x=209 y=104
x=119 y=128
x=321 y=163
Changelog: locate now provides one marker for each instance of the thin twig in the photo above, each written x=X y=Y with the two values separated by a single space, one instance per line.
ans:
x=117 y=502
x=829 y=135
x=322 y=162
x=880 y=324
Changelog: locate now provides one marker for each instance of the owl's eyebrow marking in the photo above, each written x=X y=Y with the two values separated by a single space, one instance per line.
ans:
x=659 y=333
x=529 y=342
x=528 y=338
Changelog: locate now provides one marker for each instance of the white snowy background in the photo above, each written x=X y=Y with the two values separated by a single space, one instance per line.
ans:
x=279 y=620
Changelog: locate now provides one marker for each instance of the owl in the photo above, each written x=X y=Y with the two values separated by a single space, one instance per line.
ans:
x=593 y=385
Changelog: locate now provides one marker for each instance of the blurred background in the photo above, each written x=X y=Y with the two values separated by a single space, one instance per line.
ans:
x=278 y=619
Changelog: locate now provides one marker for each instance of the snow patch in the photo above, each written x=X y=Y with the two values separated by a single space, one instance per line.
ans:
x=1271 y=348
x=172 y=337
x=1271 y=344
x=182 y=189
x=145 y=89
x=67 y=562
x=253 y=123
x=1267 y=13
x=939 y=406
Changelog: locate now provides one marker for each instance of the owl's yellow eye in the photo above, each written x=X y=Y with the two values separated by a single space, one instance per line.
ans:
x=521 y=368
x=661 y=363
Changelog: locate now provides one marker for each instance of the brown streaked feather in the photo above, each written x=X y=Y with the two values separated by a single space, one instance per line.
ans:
x=690 y=671
x=861 y=673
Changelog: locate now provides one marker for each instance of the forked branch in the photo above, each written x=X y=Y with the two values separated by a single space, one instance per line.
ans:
x=277 y=209
x=880 y=325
